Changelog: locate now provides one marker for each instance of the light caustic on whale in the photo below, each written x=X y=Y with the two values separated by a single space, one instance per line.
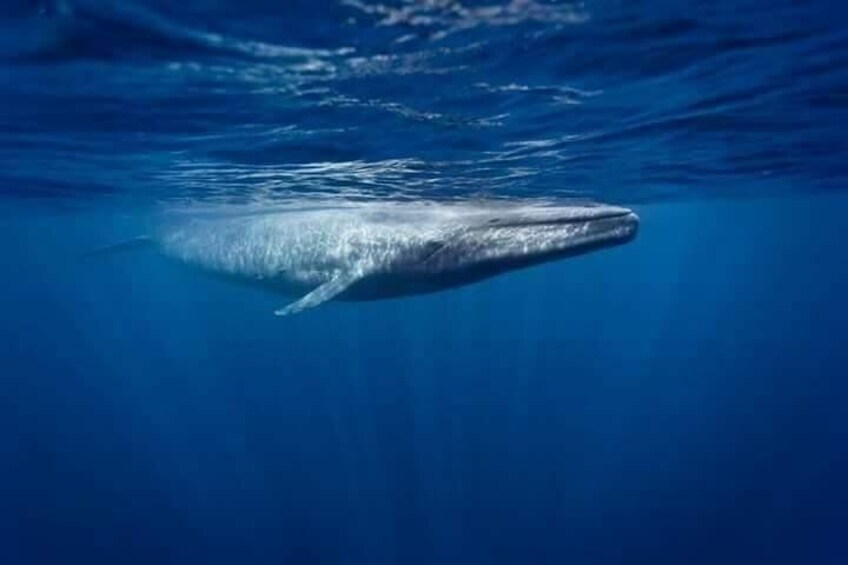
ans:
x=374 y=251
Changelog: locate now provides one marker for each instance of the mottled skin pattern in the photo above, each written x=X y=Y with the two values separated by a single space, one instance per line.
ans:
x=378 y=251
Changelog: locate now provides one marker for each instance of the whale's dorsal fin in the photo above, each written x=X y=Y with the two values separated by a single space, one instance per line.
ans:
x=320 y=294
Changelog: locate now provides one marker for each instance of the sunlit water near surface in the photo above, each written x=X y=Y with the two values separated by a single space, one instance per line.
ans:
x=679 y=399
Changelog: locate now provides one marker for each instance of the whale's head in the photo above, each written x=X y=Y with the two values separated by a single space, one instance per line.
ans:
x=504 y=238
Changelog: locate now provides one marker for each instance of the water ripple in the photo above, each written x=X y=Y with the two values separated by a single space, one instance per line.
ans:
x=440 y=99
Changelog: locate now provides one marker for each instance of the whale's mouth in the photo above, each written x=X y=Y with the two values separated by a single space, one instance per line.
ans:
x=621 y=214
x=553 y=217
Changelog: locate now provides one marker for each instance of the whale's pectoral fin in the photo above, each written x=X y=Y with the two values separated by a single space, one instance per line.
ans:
x=321 y=294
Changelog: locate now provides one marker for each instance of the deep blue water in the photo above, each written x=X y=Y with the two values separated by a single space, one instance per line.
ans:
x=680 y=399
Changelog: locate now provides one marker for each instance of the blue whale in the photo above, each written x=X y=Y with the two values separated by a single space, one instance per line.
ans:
x=381 y=250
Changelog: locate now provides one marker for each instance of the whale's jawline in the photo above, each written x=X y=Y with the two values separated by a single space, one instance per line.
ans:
x=380 y=286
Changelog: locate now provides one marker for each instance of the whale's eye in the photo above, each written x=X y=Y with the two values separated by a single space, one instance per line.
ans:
x=495 y=221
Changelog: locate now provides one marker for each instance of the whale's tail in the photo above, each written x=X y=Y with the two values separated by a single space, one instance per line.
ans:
x=134 y=244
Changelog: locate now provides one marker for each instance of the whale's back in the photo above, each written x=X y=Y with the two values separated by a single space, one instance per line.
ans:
x=304 y=247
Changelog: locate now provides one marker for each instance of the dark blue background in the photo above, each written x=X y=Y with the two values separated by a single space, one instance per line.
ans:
x=679 y=399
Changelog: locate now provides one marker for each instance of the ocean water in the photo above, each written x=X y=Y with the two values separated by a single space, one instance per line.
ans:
x=679 y=399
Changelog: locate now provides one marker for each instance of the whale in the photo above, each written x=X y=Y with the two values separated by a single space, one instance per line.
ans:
x=373 y=251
